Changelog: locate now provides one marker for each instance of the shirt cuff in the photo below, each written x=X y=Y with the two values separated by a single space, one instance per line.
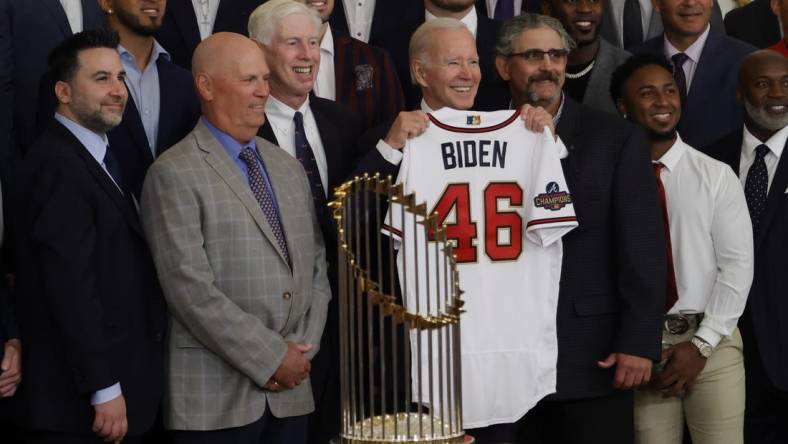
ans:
x=106 y=395
x=391 y=155
x=709 y=335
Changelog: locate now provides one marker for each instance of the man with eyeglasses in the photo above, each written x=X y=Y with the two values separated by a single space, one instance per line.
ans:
x=612 y=289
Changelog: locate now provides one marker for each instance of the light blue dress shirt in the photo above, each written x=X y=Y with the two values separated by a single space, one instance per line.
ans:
x=145 y=90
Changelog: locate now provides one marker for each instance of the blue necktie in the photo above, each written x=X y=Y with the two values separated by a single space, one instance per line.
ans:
x=113 y=168
x=504 y=10
x=265 y=198
x=305 y=155
x=756 y=186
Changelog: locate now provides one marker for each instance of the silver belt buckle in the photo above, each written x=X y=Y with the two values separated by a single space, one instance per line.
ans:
x=676 y=324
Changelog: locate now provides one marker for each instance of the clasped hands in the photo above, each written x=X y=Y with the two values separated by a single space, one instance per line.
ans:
x=293 y=370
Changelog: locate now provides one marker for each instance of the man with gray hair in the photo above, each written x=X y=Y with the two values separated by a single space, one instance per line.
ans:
x=611 y=295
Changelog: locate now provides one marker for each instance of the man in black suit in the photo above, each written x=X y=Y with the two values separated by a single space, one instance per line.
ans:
x=753 y=23
x=371 y=21
x=612 y=290
x=705 y=65
x=755 y=152
x=163 y=106
x=493 y=94
x=28 y=32
x=188 y=23
x=91 y=310
x=322 y=134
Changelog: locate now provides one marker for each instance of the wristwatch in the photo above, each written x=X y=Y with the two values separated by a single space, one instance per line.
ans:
x=704 y=348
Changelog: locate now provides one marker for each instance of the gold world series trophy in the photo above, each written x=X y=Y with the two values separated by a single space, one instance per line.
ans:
x=400 y=370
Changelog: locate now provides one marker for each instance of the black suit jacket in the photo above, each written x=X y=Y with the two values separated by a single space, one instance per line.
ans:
x=29 y=30
x=388 y=17
x=91 y=310
x=754 y=23
x=180 y=34
x=493 y=91
x=612 y=290
x=713 y=87
x=178 y=113
x=763 y=322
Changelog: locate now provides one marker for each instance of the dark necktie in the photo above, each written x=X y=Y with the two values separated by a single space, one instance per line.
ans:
x=305 y=155
x=504 y=10
x=671 y=292
x=678 y=74
x=265 y=198
x=113 y=168
x=633 y=27
x=756 y=186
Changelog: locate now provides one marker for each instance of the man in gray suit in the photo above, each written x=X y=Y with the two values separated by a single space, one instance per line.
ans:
x=241 y=260
x=591 y=63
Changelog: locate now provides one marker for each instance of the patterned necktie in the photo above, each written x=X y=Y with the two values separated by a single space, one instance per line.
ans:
x=756 y=186
x=504 y=10
x=306 y=156
x=671 y=292
x=678 y=74
x=113 y=168
x=264 y=197
x=633 y=27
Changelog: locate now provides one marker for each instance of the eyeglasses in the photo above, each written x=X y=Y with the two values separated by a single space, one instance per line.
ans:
x=537 y=55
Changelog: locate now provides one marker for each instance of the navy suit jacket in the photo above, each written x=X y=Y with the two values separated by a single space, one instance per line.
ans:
x=711 y=109
x=388 y=17
x=178 y=113
x=754 y=23
x=179 y=33
x=763 y=325
x=366 y=80
x=493 y=92
x=29 y=30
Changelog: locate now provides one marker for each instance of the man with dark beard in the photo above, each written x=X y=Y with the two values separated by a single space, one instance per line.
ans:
x=709 y=263
x=591 y=63
x=163 y=105
x=754 y=151
x=611 y=291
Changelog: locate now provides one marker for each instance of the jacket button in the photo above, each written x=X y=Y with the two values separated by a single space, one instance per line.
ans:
x=286 y=296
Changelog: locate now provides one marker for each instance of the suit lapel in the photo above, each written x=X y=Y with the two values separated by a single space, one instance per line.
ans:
x=168 y=107
x=226 y=168
x=59 y=14
x=92 y=15
x=567 y=126
x=331 y=139
x=776 y=195
x=654 y=27
x=707 y=67
x=596 y=90
x=183 y=14
x=136 y=130
x=267 y=133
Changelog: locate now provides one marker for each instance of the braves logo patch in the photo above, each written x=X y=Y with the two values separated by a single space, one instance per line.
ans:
x=553 y=198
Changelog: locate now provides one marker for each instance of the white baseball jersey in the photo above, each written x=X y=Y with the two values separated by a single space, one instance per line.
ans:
x=501 y=193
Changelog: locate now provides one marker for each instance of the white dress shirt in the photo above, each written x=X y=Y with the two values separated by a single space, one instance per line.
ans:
x=205 y=11
x=280 y=116
x=646 y=9
x=711 y=237
x=776 y=143
x=359 y=14
x=96 y=145
x=693 y=52
x=518 y=7
x=73 y=9
x=471 y=20
x=325 y=85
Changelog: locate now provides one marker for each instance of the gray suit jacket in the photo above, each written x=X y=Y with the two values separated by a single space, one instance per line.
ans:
x=608 y=58
x=233 y=299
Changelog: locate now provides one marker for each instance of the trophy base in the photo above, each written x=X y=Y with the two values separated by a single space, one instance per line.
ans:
x=410 y=428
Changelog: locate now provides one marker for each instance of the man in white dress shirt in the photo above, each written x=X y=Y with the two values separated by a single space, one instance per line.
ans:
x=709 y=249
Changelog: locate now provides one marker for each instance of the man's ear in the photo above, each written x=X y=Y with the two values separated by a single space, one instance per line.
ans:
x=63 y=92
x=621 y=107
x=656 y=5
x=418 y=72
x=501 y=65
x=106 y=5
x=204 y=86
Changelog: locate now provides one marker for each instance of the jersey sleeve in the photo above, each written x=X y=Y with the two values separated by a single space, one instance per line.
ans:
x=549 y=211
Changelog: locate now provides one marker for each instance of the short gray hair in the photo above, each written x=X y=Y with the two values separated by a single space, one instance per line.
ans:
x=512 y=28
x=420 y=38
x=266 y=19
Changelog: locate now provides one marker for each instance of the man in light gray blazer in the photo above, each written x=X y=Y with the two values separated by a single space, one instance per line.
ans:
x=239 y=253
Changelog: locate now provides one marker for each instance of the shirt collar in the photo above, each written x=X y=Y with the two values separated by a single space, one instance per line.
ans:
x=277 y=109
x=156 y=52
x=673 y=155
x=776 y=143
x=95 y=143
x=327 y=44
x=471 y=20
x=232 y=146
x=693 y=51
x=426 y=108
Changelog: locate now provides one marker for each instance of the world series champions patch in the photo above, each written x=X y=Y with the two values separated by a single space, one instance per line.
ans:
x=553 y=198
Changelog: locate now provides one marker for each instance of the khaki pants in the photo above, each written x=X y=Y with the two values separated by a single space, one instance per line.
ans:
x=713 y=410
